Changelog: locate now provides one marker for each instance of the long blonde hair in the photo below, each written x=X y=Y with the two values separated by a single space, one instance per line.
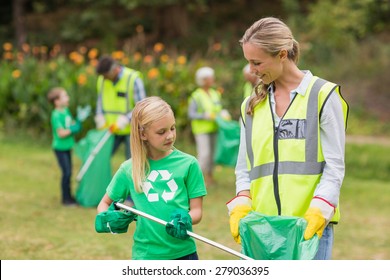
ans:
x=272 y=35
x=144 y=114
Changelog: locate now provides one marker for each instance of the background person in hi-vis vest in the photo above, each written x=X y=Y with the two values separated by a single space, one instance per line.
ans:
x=204 y=105
x=118 y=89
x=250 y=81
x=292 y=146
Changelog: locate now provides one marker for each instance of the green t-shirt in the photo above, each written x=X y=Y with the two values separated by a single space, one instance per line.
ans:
x=61 y=119
x=171 y=183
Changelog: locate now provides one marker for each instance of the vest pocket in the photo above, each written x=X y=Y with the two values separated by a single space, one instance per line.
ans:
x=121 y=94
x=292 y=129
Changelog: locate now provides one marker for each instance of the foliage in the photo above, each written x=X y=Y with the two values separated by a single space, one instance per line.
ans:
x=27 y=77
x=31 y=76
x=332 y=30
x=342 y=41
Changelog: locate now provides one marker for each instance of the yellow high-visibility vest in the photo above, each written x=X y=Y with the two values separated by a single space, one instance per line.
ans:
x=207 y=103
x=286 y=163
x=117 y=99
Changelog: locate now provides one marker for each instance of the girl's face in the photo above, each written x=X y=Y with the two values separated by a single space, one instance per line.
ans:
x=160 y=136
x=267 y=67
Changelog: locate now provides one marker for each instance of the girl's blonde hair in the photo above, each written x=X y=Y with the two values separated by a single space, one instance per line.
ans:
x=272 y=35
x=144 y=114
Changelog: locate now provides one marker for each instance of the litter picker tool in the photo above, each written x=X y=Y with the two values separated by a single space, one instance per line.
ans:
x=192 y=234
x=92 y=155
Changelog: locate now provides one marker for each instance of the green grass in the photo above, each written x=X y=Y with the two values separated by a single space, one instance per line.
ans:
x=36 y=226
x=368 y=162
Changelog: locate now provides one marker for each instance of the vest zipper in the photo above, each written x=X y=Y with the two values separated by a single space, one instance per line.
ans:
x=276 y=161
x=275 y=175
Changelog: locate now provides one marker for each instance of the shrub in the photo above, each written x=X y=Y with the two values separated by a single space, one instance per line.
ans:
x=28 y=75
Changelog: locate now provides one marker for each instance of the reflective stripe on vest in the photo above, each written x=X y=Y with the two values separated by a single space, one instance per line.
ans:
x=288 y=161
x=206 y=104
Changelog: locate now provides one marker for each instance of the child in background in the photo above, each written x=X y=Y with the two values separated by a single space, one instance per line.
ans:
x=161 y=181
x=63 y=128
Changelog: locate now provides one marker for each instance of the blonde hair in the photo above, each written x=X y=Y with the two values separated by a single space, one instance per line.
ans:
x=145 y=112
x=272 y=35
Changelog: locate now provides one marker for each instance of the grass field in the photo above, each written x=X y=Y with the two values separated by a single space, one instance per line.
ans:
x=36 y=226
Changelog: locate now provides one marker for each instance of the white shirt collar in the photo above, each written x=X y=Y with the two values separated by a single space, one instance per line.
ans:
x=302 y=87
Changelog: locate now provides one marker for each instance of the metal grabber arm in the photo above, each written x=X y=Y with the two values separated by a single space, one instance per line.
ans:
x=192 y=234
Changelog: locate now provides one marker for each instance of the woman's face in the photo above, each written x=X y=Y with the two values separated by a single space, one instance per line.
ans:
x=267 y=67
x=208 y=82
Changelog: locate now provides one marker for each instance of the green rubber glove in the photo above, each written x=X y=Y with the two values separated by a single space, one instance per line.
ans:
x=113 y=220
x=180 y=222
x=76 y=127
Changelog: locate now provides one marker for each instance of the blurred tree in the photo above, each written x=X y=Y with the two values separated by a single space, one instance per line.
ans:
x=335 y=27
x=110 y=22
x=172 y=17
x=378 y=12
x=338 y=24
x=18 y=22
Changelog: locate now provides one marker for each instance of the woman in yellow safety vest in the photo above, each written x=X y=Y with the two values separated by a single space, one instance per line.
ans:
x=291 y=156
x=204 y=105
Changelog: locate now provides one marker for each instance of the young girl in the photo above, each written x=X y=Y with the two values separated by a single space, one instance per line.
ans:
x=161 y=181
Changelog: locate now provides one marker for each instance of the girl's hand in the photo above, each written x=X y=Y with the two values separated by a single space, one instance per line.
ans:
x=180 y=222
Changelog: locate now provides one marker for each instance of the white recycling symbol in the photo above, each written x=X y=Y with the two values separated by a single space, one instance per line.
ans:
x=165 y=176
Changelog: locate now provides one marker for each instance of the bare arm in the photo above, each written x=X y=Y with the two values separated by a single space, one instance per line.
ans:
x=62 y=133
x=196 y=209
x=104 y=203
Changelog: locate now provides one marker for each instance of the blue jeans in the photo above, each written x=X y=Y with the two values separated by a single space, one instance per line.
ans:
x=326 y=244
x=118 y=139
x=190 y=257
x=64 y=159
